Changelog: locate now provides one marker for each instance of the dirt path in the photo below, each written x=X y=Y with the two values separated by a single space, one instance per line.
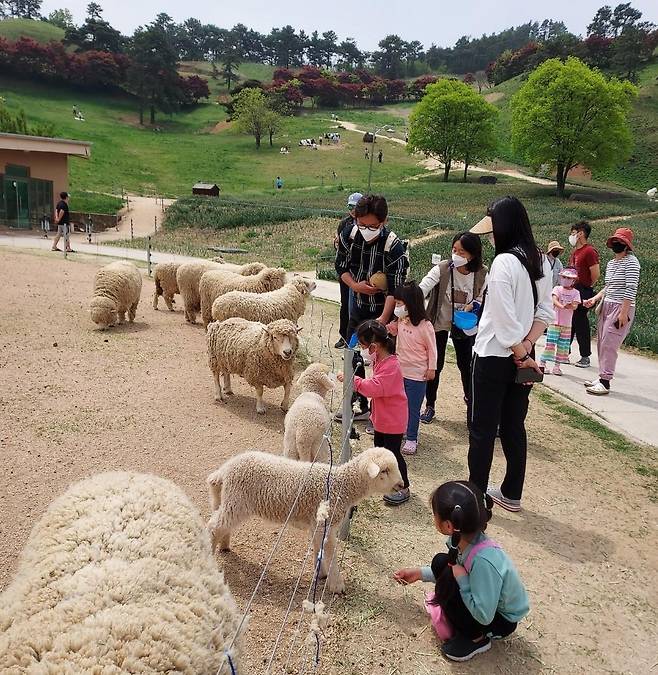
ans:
x=140 y=398
x=143 y=211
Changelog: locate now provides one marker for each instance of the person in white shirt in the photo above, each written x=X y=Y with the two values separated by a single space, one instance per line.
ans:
x=517 y=309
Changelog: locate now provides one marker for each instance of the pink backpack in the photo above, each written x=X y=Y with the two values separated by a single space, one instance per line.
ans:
x=442 y=626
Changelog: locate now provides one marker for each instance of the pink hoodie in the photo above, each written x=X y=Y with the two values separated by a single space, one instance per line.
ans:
x=390 y=412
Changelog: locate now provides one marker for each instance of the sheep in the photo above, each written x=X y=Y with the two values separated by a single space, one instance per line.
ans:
x=117 y=576
x=288 y=302
x=117 y=288
x=265 y=485
x=217 y=282
x=264 y=355
x=165 y=284
x=308 y=419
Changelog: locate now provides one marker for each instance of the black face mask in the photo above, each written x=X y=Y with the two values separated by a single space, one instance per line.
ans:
x=618 y=247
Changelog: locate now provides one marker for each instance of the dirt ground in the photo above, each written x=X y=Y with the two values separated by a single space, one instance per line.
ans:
x=75 y=400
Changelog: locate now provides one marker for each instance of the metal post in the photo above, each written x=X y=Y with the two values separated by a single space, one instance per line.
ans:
x=155 y=224
x=372 y=156
x=345 y=447
x=132 y=232
x=148 y=253
x=89 y=228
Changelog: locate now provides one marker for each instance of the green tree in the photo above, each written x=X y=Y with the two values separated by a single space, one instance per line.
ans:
x=252 y=113
x=388 y=59
x=273 y=123
x=61 y=17
x=445 y=125
x=230 y=63
x=567 y=114
x=23 y=9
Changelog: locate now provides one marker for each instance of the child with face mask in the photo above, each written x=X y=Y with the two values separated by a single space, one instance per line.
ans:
x=566 y=299
x=416 y=350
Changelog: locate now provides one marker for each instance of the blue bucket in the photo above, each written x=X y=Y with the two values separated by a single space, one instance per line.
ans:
x=465 y=320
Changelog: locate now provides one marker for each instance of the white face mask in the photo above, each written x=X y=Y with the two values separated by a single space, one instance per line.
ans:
x=573 y=239
x=400 y=311
x=458 y=260
x=368 y=235
x=490 y=239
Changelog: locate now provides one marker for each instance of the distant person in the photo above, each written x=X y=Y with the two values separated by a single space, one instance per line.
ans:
x=75 y=110
x=63 y=221
x=367 y=153
x=585 y=259
x=380 y=156
x=278 y=182
x=553 y=253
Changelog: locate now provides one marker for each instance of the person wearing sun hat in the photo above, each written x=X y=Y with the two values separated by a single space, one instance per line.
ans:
x=553 y=252
x=617 y=311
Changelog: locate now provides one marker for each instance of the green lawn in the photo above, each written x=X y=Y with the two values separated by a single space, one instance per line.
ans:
x=41 y=31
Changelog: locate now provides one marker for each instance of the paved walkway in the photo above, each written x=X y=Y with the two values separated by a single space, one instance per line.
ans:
x=631 y=408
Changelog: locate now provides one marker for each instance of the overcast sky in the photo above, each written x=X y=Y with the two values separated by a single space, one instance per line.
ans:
x=368 y=21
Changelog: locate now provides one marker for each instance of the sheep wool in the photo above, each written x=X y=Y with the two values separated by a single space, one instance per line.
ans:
x=264 y=355
x=266 y=485
x=288 y=302
x=187 y=279
x=117 y=288
x=308 y=419
x=217 y=282
x=165 y=284
x=118 y=577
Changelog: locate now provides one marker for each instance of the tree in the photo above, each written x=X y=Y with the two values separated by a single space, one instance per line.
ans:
x=95 y=33
x=23 y=9
x=388 y=60
x=601 y=25
x=230 y=61
x=273 y=122
x=61 y=17
x=477 y=132
x=349 y=55
x=252 y=113
x=329 y=47
x=567 y=114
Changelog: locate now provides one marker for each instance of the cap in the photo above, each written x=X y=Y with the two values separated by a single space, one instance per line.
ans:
x=353 y=199
x=623 y=234
x=483 y=226
x=552 y=245
x=568 y=273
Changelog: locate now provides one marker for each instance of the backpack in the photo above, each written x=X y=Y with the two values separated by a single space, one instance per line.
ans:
x=391 y=240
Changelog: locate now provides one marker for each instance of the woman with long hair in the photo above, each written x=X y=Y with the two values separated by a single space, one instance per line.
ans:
x=517 y=308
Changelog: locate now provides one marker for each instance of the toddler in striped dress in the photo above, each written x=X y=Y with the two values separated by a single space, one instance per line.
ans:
x=558 y=337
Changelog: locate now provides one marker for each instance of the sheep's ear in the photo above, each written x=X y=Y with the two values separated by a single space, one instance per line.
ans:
x=329 y=382
x=373 y=470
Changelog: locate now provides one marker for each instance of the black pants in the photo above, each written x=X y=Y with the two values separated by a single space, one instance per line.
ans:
x=344 y=308
x=580 y=323
x=497 y=403
x=393 y=442
x=456 y=611
x=464 y=354
x=357 y=316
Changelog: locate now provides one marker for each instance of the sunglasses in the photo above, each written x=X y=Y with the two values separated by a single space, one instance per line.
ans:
x=372 y=228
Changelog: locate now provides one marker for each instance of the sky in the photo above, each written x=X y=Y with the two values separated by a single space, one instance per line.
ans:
x=368 y=21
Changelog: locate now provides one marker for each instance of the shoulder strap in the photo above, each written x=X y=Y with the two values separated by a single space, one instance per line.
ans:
x=353 y=231
x=390 y=241
x=487 y=543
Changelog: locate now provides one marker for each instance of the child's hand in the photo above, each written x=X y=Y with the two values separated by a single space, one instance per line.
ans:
x=429 y=375
x=559 y=305
x=574 y=304
x=408 y=575
x=458 y=571
x=340 y=377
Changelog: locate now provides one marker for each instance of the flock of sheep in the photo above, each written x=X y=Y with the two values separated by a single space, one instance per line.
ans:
x=119 y=573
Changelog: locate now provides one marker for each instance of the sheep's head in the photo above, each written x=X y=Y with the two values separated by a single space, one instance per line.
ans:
x=218 y=259
x=303 y=285
x=273 y=277
x=317 y=378
x=250 y=269
x=381 y=469
x=282 y=338
x=103 y=312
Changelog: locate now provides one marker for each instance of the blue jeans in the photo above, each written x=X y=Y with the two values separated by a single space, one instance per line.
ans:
x=415 y=392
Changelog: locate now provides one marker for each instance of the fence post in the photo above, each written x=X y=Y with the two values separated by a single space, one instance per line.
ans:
x=148 y=253
x=132 y=232
x=89 y=227
x=346 y=428
x=155 y=224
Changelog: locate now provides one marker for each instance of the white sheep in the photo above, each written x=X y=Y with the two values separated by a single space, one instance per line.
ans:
x=308 y=419
x=117 y=288
x=117 y=577
x=165 y=284
x=288 y=302
x=215 y=282
x=266 y=485
x=264 y=355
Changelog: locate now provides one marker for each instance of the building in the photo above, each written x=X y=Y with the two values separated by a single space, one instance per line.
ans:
x=33 y=171
x=207 y=189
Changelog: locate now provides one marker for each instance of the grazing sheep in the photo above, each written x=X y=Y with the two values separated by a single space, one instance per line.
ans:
x=288 y=302
x=264 y=355
x=165 y=284
x=117 y=288
x=217 y=282
x=308 y=419
x=117 y=577
x=266 y=485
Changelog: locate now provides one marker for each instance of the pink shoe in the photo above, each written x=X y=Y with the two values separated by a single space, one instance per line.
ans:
x=556 y=370
x=410 y=447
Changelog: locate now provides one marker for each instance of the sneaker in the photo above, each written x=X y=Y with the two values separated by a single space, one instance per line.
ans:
x=370 y=429
x=591 y=383
x=556 y=370
x=583 y=363
x=398 y=497
x=427 y=415
x=410 y=447
x=512 y=505
x=598 y=389
x=341 y=344
x=463 y=649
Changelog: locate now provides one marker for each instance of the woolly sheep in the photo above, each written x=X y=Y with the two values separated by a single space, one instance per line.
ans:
x=265 y=485
x=117 y=288
x=117 y=576
x=288 y=302
x=308 y=419
x=264 y=355
x=217 y=282
x=165 y=284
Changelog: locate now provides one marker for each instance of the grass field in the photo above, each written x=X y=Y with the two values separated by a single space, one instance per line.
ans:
x=41 y=31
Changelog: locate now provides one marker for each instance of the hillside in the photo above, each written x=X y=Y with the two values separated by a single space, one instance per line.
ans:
x=246 y=71
x=41 y=31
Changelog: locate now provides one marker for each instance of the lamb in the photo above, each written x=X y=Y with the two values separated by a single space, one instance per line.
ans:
x=288 y=302
x=217 y=282
x=308 y=419
x=117 y=576
x=117 y=288
x=265 y=485
x=264 y=355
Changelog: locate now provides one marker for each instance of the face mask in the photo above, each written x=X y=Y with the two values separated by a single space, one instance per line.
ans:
x=400 y=311
x=491 y=240
x=566 y=282
x=556 y=254
x=459 y=261
x=618 y=247
x=368 y=235
x=573 y=239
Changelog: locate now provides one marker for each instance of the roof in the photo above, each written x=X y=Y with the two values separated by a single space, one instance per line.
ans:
x=205 y=186
x=62 y=146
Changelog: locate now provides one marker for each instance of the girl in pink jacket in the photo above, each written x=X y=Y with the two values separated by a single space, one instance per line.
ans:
x=389 y=414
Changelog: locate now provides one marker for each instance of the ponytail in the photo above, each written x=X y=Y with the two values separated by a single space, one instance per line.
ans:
x=456 y=518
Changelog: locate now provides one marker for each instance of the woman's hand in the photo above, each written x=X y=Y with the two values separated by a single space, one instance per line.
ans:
x=365 y=288
x=469 y=307
x=590 y=302
x=458 y=571
x=340 y=377
x=409 y=575
x=429 y=375
x=622 y=319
